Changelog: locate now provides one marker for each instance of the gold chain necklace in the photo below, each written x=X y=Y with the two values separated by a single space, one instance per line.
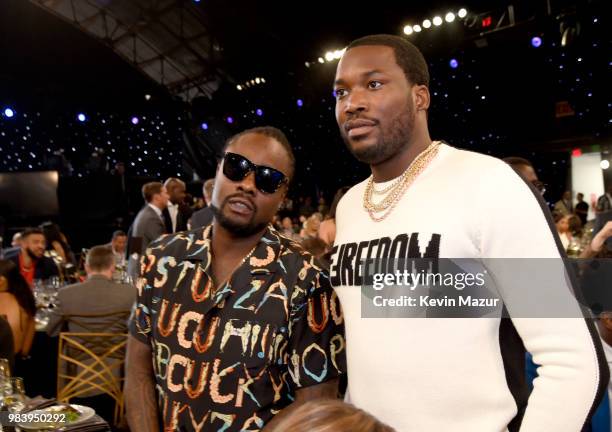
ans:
x=398 y=188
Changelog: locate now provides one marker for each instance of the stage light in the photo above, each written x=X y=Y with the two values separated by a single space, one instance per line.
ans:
x=252 y=82
x=536 y=41
x=417 y=28
x=321 y=60
x=408 y=30
x=9 y=112
x=426 y=23
x=307 y=64
x=259 y=112
x=437 y=21
x=329 y=56
x=230 y=120
x=147 y=97
x=462 y=13
x=257 y=80
x=300 y=103
x=81 y=117
x=239 y=87
x=576 y=152
x=450 y=17
x=204 y=126
x=263 y=80
x=605 y=164
x=134 y=120
x=454 y=63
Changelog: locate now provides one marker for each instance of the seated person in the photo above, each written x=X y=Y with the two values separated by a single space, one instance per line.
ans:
x=18 y=305
x=98 y=295
x=30 y=259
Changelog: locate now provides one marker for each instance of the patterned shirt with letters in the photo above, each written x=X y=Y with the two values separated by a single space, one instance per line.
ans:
x=230 y=359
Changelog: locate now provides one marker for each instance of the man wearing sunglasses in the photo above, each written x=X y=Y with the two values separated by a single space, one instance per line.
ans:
x=235 y=326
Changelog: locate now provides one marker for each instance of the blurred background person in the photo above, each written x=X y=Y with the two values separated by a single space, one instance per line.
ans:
x=177 y=212
x=57 y=243
x=288 y=229
x=311 y=227
x=118 y=247
x=18 y=305
x=564 y=205
x=148 y=225
x=563 y=229
x=582 y=208
x=327 y=229
x=30 y=258
x=204 y=217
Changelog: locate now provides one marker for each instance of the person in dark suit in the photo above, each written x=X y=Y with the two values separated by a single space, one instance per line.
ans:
x=177 y=213
x=98 y=295
x=204 y=217
x=107 y=306
x=149 y=223
x=30 y=258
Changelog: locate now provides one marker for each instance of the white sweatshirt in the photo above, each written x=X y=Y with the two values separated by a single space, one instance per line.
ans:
x=460 y=374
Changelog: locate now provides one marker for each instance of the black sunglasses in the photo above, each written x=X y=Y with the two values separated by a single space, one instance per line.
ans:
x=267 y=180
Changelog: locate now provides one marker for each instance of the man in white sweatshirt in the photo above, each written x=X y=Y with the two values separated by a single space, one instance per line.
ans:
x=428 y=199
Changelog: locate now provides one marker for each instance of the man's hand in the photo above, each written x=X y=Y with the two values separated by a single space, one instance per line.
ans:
x=139 y=392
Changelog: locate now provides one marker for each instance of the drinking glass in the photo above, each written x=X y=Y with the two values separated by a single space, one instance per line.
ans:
x=14 y=395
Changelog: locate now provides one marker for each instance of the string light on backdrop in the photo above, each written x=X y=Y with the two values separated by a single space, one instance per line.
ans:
x=437 y=21
x=605 y=164
x=135 y=120
x=251 y=83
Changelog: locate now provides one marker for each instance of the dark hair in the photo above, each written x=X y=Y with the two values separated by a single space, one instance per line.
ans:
x=100 y=258
x=339 y=194
x=407 y=56
x=172 y=181
x=270 y=132
x=314 y=245
x=119 y=233
x=30 y=231
x=52 y=234
x=18 y=286
x=515 y=161
x=150 y=189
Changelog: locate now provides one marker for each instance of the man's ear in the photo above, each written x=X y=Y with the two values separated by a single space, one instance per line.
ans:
x=422 y=98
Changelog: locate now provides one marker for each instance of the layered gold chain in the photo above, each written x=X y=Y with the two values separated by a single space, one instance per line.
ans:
x=397 y=189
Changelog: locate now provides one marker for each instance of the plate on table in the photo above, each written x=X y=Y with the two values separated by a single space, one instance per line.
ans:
x=58 y=416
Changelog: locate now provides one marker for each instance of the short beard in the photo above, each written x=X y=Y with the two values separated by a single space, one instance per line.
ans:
x=394 y=138
x=32 y=255
x=238 y=230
